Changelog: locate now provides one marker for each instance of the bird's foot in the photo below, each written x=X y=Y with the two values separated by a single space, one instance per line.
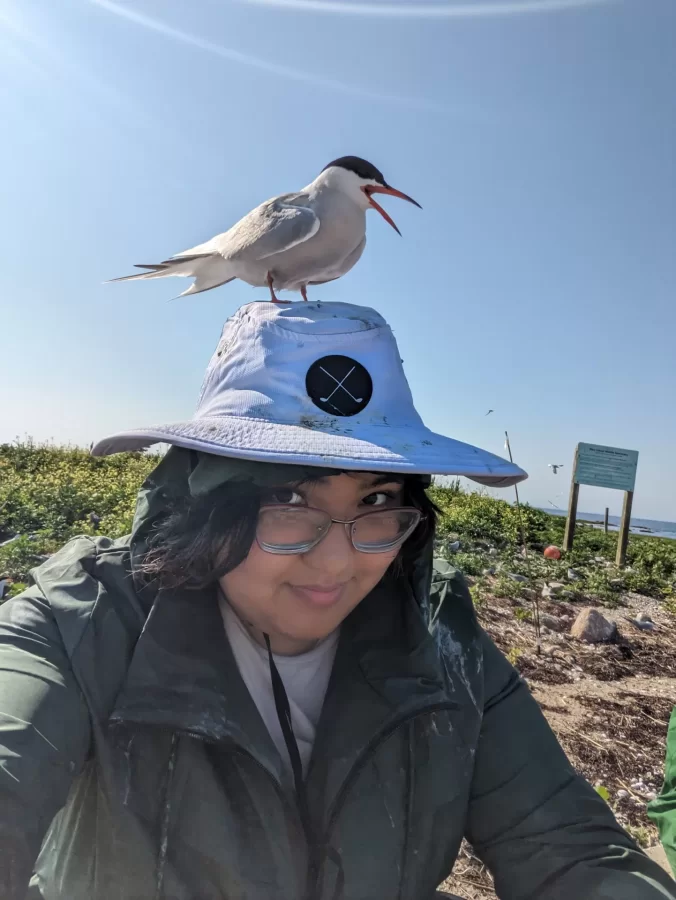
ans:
x=273 y=297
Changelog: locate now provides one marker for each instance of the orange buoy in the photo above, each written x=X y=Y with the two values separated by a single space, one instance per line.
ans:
x=552 y=552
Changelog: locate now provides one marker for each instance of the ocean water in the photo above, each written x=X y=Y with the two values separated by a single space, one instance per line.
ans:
x=638 y=526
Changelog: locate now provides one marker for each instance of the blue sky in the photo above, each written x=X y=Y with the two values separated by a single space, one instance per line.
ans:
x=539 y=279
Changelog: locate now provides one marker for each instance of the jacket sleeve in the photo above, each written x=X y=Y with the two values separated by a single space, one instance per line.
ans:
x=542 y=830
x=44 y=734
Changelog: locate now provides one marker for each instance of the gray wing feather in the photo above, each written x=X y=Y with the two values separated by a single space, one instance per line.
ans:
x=271 y=228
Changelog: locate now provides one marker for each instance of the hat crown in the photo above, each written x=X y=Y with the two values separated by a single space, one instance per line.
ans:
x=329 y=366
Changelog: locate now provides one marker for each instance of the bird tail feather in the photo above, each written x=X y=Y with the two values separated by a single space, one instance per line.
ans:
x=209 y=271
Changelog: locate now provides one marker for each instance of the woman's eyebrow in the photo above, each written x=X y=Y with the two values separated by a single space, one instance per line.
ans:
x=387 y=478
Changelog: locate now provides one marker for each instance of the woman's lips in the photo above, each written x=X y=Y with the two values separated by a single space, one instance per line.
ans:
x=319 y=595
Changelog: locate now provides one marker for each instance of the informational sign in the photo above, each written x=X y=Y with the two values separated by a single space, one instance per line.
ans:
x=607 y=467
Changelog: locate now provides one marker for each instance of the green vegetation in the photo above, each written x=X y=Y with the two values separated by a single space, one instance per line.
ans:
x=514 y=655
x=642 y=835
x=522 y=614
x=479 y=521
x=47 y=494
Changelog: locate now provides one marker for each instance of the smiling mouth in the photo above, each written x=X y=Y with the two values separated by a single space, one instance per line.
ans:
x=319 y=595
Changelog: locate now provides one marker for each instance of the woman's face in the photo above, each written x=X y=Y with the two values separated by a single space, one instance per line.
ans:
x=299 y=599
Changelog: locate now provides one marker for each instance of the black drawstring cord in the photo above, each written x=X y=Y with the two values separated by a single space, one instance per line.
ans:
x=284 y=716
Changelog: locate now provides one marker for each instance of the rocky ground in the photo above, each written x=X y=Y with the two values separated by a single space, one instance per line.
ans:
x=608 y=701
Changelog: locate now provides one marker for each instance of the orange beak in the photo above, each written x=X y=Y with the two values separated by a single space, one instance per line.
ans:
x=370 y=189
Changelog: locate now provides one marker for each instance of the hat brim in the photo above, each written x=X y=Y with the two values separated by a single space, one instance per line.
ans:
x=379 y=448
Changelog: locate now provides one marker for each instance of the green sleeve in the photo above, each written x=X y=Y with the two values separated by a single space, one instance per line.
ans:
x=44 y=734
x=543 y=831
x=663 y=810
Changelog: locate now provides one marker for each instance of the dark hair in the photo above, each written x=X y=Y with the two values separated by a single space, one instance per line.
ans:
x=201 y=539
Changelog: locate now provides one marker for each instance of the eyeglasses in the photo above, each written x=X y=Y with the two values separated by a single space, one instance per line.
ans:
x=297 y=529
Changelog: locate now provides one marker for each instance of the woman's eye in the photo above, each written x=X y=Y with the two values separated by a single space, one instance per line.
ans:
x=285 y=497
x=380 y=498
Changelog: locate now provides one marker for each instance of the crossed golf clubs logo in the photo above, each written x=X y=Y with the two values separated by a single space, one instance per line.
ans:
x=339 y=385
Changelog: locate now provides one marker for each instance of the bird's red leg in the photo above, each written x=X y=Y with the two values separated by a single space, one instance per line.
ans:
x=273 y=296
x=303 y=292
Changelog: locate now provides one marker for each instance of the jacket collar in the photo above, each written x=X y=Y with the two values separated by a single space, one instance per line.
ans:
x=183 y=676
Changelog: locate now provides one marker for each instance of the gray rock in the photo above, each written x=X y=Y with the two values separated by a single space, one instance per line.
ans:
x=644 y=617
x=453 y=547
x=556 y=587
x=515 y=577
x=551 y=622
x=493 y=551
x=489 y=571
x=574 y=576
x=592 y=627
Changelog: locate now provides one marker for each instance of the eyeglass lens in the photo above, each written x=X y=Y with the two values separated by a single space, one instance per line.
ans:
x=289 y=529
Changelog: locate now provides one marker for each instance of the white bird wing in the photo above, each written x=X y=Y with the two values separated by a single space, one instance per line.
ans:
x=273 y=227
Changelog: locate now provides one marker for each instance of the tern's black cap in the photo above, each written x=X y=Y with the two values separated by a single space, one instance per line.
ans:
x=361 y=167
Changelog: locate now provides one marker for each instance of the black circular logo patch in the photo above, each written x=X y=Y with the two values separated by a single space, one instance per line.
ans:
x=338 y=385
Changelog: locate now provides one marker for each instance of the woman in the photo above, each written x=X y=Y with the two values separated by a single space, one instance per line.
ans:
x=266 y=691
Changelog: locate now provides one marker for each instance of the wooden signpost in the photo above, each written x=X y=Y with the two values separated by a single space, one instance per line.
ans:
x=608 y=467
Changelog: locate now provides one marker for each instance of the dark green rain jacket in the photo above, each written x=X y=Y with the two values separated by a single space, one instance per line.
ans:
x=134 y=764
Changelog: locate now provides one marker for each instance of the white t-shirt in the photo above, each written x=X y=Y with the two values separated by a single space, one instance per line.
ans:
x=305 y=679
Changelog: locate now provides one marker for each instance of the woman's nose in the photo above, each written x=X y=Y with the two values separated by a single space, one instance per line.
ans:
x=334 y=554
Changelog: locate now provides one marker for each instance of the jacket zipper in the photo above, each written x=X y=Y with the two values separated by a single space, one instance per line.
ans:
x=290 y=809
x=238 y=751
x=367 y=753
x=314 y=867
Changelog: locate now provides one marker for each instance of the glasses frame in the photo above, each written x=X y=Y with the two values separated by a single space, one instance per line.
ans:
x=349 y=529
